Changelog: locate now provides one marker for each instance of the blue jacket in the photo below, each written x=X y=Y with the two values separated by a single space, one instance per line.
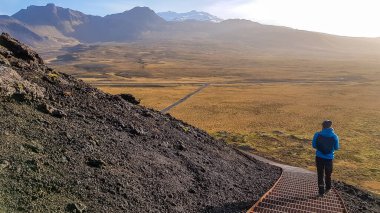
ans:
x=327 y=133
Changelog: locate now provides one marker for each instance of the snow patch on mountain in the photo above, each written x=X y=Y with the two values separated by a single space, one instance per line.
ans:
x=192 y=15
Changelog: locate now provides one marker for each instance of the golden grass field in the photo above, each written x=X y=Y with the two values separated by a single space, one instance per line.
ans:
x=279 y=120
x=267 y=103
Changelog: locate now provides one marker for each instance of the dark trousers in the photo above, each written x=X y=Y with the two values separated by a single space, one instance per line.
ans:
x=324 y=170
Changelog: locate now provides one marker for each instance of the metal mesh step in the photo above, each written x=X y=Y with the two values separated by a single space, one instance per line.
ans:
x=297 y=192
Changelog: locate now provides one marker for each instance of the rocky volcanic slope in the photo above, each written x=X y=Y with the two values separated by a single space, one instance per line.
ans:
x=357 y=200
x=66 y=146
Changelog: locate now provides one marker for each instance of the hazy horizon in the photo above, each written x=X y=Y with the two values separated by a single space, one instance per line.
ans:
x=345 y=18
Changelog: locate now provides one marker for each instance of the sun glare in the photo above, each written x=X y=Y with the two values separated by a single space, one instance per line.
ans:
x=341 y=17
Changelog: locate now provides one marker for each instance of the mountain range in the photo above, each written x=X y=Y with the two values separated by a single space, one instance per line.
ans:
x=19 y=30
x=53 y=25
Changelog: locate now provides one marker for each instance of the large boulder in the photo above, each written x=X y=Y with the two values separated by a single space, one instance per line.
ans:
x=14 y=53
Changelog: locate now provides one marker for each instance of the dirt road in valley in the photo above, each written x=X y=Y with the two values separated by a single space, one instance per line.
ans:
x=167 y=109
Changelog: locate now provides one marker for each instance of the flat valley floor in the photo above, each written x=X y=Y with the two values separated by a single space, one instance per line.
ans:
x=269 y=102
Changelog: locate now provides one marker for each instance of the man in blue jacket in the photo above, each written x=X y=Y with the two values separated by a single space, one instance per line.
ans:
x=325 y=142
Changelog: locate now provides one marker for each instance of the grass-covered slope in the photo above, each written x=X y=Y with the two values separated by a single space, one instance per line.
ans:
x=66 y=146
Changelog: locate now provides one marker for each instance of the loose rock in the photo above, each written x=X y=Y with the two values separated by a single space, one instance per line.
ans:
x=4 y=164
x=52 y=111
x=96 y=163
x=76 y=208
x=130 y=98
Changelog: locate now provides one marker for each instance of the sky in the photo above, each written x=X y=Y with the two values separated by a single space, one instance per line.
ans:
x=359 y=18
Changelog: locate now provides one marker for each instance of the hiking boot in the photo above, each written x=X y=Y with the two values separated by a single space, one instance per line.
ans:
x=321 y=191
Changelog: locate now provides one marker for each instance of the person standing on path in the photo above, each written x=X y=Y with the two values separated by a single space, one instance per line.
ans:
x=325 y=142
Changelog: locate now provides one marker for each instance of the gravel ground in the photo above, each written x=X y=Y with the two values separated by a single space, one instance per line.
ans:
x=357 y=200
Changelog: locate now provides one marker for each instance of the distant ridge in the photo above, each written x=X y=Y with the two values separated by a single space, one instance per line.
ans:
x=126 y=26
x=19 y=30
x=62 y=18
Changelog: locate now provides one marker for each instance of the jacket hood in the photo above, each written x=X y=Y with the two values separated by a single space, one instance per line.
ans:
x=329 y=132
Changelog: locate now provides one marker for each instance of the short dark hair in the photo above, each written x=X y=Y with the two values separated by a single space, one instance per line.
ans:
x=326 y=124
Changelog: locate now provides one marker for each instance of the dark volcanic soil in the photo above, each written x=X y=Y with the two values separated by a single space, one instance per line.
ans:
x=65 y=146
x=357 y=200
